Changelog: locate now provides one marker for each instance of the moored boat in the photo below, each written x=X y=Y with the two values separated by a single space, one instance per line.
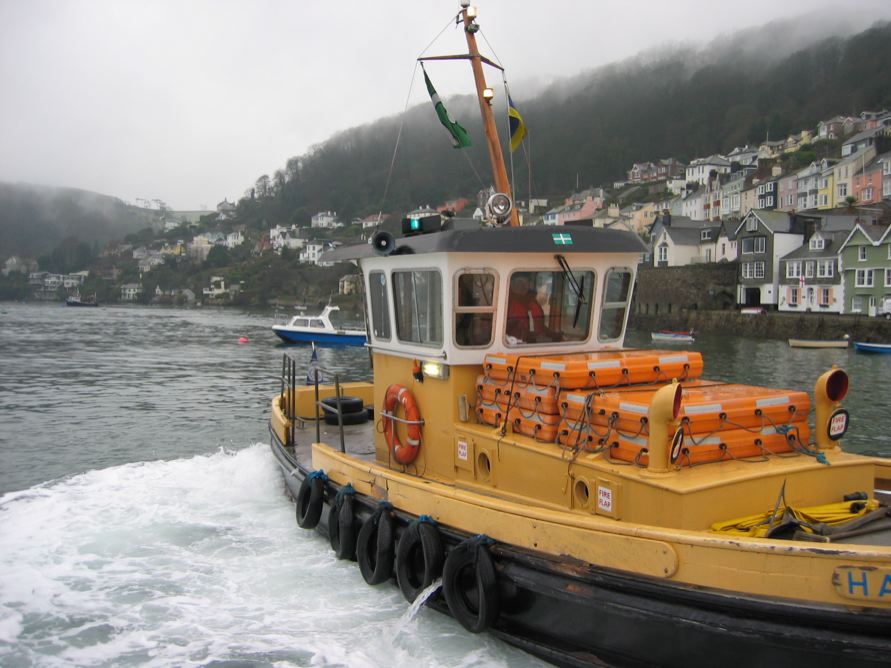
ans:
x=77 y=300
x=669 y=336
x=864 y=347
x=318 y=329
x=819 y=343
x=590 y=504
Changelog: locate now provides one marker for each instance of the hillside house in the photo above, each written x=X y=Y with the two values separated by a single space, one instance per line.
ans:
x=763 y=237
x=130 y=292
x=809 y=279
x=325 y=219
x=866 y=268
x=700 y=170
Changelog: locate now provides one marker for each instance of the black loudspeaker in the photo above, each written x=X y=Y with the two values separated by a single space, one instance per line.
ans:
x=384 y=243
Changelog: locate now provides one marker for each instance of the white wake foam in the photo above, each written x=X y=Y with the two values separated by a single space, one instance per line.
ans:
x=197 y=562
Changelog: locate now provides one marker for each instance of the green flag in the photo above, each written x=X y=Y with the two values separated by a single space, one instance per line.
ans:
x=460 y=138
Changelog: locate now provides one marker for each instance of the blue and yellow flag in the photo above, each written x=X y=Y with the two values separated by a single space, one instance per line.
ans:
x=517 y=126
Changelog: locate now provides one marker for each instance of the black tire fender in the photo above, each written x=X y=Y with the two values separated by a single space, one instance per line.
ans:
x=374 y=546
x=419 y=558
x=470 y=586
x=310 y=497
x=347 y=404
x=348 y=418
x=342 y=524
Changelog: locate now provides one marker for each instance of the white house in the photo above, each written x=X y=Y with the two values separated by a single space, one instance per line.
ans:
x=130 y=292
x=234 y=239
x=326 y=219
x=281 y=237
x=699 y=170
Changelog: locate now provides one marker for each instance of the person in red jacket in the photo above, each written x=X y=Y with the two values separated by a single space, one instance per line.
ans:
x=525 y=317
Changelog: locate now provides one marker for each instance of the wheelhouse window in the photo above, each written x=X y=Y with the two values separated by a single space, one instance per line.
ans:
x=474 y=307
x=616 y=294
x=316 y=323
x=380 y=311
x=549 y=306
x=417 y=296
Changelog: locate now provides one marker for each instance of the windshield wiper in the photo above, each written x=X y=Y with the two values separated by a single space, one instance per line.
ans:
x=577 y=288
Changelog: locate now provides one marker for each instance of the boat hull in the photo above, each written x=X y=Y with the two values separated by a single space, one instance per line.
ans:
x=672 y=338
x=816 y=343
x=290 y=336
x=882 y=348
x=574 y=613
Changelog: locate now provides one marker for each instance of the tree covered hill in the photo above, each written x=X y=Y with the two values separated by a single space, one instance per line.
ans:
x=590 y=129
x=35 y=220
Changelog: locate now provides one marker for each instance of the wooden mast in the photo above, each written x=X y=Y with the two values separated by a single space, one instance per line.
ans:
x=499 y=171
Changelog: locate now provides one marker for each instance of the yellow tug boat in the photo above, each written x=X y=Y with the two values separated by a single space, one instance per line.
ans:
x=591 y=504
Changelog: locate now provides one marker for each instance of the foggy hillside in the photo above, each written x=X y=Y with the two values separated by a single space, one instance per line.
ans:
x=35 y=219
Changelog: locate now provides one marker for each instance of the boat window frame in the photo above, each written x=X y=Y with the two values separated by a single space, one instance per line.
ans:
x=604 y=304
x=386 y=333
x=556 y=271
x=414 y=270
x=458 y=310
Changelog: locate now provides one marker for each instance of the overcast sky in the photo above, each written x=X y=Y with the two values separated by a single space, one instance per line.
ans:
x=189 y=101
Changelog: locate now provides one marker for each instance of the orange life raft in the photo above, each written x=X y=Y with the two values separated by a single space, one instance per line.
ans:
x=596 y=369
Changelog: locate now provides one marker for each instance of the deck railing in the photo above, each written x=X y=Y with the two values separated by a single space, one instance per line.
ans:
x=289 y=390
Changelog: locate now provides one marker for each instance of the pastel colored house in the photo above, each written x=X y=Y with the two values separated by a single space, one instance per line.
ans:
x=866 y=268
x=809 y=278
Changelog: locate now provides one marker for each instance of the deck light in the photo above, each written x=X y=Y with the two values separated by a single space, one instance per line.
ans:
x=488 y=94
x=436 y=370
x=471 y=12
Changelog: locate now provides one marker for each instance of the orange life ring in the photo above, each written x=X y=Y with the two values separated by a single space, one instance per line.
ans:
x=404 y=454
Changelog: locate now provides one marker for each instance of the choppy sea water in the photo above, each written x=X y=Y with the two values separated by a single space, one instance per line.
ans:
x=143 y=521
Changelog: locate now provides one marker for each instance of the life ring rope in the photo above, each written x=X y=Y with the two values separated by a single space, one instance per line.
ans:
x=408 y=452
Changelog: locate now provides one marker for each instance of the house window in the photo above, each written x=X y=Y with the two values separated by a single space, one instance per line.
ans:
x=817 y=243
x=753 y=245
x=474 y=307
x=842 y=190
x=704 y=235
x=417 y=296
x=861 y=253
x=823 y=200
x=616 y=293
x=760 y=190
x=888 y=277
x=886 y=167
x=793 y=296
x=751 y=224
x=809 y=269
x=793 y=269
x=867 y=193
x=863 y=278
x=886 y=187
x=724 y=249
x=823 y=296
x=825 y=268
x=857 y=304
x=662 y=253
x=747 y=271
x=759 y=270
x=380 y=310
x=770 y=201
